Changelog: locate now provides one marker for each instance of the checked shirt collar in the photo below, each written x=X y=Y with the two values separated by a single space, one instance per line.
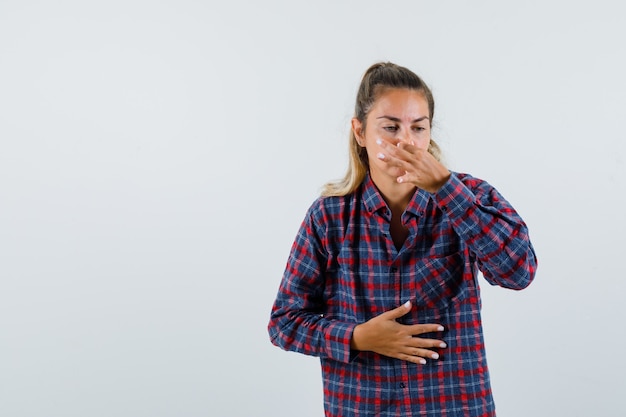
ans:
x=374 y=202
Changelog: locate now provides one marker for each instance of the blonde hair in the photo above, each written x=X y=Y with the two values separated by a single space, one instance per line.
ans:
x=377 y=78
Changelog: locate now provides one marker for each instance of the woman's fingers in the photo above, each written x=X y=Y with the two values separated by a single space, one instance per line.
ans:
x=420 y=167
x=417 y=355
x=412 y=358
x=384 y=335
x=419 y=342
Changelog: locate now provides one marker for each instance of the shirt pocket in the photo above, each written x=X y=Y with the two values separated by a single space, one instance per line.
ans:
x=438 y=282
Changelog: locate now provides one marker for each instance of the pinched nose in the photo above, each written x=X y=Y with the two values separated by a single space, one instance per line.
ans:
x=406 y=138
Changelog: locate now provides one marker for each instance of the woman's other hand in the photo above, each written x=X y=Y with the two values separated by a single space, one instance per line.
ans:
x=384 y=335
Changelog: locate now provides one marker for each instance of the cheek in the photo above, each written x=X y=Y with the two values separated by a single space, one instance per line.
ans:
x=423 y=142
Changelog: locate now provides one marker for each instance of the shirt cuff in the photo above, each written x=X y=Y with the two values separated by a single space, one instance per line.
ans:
x=454 y=197
x=338 y=338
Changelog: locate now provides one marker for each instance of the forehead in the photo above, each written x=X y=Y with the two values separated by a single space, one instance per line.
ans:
x=401 y=103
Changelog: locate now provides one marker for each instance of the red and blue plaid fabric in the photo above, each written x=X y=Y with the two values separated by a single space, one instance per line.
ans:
x=344 y=269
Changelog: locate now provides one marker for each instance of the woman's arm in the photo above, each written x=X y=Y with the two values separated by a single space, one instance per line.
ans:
x=297 y=322
x=492 y=229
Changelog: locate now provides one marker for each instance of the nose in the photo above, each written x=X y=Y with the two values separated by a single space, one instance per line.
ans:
x=405 y=136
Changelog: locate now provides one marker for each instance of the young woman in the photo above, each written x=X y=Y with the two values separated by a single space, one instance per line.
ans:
x=381 y=282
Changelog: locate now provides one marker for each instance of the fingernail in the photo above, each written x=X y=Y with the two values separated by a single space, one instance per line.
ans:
x=400 y=179
x=379 y=141
x=381 y=156
x=434 y=356
x=440 y=329
x=423 y=361
x=442 y=345
x=408 y=304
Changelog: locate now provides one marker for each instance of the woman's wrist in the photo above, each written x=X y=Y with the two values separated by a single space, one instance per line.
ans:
x=356 y=343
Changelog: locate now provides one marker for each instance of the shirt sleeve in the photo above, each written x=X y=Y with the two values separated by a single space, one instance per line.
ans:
x=297 y=322
x=491 y=228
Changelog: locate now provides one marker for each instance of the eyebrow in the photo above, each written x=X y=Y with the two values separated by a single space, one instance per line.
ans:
x=395 y=119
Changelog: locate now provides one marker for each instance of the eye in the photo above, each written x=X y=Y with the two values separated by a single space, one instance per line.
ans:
x=390 y=128
x=419 y=128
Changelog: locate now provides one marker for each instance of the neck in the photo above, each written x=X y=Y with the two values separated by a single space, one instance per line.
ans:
x=396 y=195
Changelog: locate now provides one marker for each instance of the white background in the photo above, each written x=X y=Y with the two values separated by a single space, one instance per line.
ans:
x=157 y=157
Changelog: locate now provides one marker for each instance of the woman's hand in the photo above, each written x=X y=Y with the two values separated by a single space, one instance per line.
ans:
x=384 y=335
x=419 y=166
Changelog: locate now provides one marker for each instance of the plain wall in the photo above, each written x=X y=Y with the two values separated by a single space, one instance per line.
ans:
x=157 y=158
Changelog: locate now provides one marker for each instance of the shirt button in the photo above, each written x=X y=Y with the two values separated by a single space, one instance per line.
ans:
x=394 y=269
x=402 y=385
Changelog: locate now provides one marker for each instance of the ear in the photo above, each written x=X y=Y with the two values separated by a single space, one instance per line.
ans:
x=357 y=129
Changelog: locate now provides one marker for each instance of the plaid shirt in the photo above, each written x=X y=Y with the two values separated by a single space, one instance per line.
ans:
x=344 y=269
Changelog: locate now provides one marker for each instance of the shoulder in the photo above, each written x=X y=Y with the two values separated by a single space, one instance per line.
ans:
x=329 y=217
x=326 y=209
